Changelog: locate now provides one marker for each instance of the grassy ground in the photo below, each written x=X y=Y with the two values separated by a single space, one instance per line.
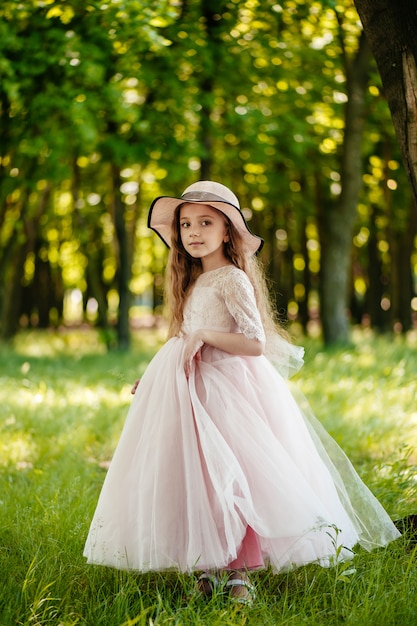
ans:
x=63 y=401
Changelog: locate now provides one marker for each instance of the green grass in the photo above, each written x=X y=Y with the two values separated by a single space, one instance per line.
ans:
x=63 y=402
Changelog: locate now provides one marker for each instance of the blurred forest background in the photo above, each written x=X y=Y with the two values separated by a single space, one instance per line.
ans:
x=105 y=105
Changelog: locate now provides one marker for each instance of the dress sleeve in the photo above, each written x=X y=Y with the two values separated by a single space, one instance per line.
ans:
x=240 y=301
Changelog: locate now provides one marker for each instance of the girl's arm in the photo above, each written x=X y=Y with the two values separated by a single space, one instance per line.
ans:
x=233 y=343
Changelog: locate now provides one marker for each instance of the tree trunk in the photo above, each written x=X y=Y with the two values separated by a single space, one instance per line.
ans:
x=97 y=291
x=391 y=29
x=43 y=281
x=209 y=13
x=337 y=221
x=379 y=318
x=303 y=313
x=21 y=242
x=124 y=268
x=94 y=266
x=403 y=270
x=13 y=291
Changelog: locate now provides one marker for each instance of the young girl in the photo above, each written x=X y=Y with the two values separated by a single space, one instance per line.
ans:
x=218 y=469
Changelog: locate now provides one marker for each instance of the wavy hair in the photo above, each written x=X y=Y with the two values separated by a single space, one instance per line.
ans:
x=183 y=270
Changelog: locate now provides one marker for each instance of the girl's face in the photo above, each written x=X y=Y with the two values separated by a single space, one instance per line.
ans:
x=203 y=232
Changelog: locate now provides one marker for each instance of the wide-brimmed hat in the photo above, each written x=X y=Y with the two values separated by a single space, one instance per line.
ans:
x=208 y=192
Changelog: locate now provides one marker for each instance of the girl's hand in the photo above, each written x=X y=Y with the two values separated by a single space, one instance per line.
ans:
x=193 y=344
x=135 y=386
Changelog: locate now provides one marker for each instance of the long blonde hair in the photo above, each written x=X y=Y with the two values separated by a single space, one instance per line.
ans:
x=183 y=270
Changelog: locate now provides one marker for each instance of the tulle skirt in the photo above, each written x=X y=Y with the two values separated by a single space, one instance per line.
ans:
x=202 y=460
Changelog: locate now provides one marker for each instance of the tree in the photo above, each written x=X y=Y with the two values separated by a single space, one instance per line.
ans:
x=391 y=29
x=337 y=222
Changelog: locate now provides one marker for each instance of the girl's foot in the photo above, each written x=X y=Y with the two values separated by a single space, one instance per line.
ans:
x=240 y=587
x=207 y=583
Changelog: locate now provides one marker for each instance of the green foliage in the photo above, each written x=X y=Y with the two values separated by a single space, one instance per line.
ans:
x=251 y=93
x=63 y=402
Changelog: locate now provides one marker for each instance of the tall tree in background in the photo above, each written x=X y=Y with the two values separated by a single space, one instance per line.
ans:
x=336 y=220
x=391 y=28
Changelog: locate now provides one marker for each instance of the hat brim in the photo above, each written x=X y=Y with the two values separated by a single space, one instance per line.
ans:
x=162 y=210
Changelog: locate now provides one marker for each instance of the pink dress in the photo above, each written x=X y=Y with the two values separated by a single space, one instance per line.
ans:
x=227 y=462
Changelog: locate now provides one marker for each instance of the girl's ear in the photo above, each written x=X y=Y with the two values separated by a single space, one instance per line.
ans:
x=226 y=238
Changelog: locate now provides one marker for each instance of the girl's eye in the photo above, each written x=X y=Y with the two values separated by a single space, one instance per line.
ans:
x=185 y=224
x=205 y=223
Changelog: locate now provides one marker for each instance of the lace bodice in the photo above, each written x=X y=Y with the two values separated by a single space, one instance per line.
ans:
x=223 y=299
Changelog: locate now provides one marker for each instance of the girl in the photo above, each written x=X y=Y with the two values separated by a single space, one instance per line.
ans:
x=218 y=469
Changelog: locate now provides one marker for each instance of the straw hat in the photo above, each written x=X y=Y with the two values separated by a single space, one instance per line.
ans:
x=208 y=192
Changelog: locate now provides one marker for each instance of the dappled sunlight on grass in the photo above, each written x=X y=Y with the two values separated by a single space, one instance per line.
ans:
x=80 y=342
x=55 y=399
x=372 y=379
x=62 y=341
x=365 y=396
x=70 y=393
x=18 y=449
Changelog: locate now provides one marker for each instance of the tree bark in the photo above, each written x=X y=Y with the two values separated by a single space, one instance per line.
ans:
x=337 y=221
x=391 y=29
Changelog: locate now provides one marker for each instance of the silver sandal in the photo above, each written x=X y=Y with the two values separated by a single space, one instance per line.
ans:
x=250 y=594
